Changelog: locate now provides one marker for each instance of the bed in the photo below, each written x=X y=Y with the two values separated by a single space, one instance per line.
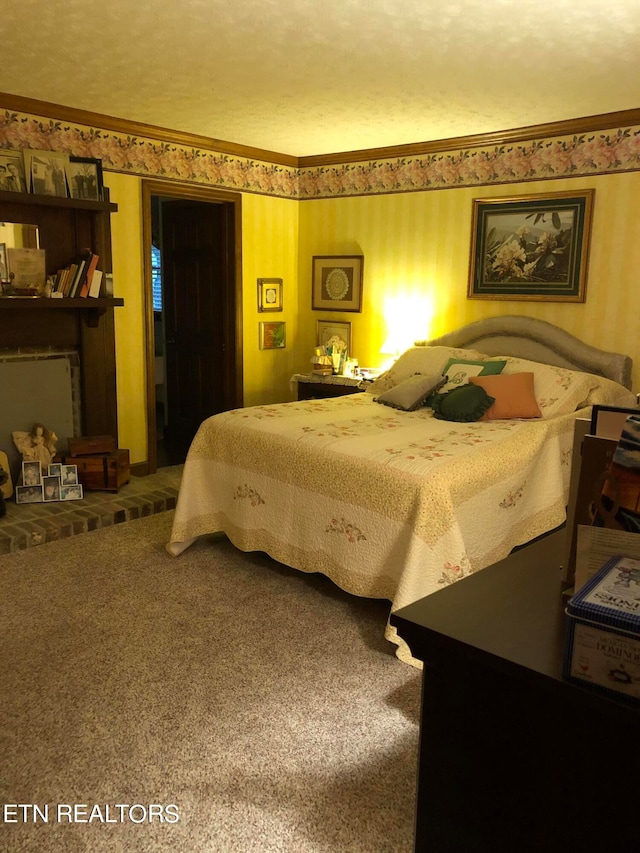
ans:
x=395 y=503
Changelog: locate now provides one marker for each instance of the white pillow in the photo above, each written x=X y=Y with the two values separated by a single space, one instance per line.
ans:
x=560 y=391
x=425 y=360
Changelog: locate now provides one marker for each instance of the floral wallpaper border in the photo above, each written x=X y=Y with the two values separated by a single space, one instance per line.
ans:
x=617 y=150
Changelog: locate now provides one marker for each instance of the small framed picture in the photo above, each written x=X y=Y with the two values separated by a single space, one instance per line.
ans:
x=45 y=172
x=51 y=486
x=328 y=329
x=68 y=475
x=31 y=474
x=55 y=469
x=84 y=177
x=29 y=494
x=12 y=172
x=272 y=335
x=336 y=282
x=269 y=294
x=71 y=493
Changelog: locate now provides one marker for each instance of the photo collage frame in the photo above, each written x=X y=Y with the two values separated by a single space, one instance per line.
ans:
x=59 y=483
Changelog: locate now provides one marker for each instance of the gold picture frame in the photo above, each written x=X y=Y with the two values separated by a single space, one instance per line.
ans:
x=327 y=329
x=532 y=248
x=336 y=282
x=273 y=335
x=270 y=294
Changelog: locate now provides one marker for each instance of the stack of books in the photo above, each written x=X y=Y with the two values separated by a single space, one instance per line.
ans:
x=80 y=279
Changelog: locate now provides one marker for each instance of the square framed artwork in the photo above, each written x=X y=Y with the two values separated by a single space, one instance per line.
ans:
x=336 y=282
x=531 y=247
x=270 y=294
x=327 y=329
x=273 y=335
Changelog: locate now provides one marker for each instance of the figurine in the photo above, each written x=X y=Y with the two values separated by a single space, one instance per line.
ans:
x=37 y=445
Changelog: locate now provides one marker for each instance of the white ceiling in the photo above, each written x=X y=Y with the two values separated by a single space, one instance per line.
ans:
x=306 y=77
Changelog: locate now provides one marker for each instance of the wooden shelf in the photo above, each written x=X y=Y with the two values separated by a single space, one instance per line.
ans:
x=57 y=201
x=42 y=303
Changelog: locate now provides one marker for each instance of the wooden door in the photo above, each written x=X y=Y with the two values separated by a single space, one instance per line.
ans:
x=198 y=285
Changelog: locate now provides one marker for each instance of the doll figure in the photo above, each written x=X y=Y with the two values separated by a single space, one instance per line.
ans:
x=38 y=445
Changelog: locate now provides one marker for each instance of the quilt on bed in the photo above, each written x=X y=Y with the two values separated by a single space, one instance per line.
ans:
x=387 y=503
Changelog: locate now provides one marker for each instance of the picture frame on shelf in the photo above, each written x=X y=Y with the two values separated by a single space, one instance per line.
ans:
x=84 y=178
x=327 y=329
x=337 y=282
x=532 y=247
x=272 y=335
x=12 y=178
x=270 y=294
x=45 y=172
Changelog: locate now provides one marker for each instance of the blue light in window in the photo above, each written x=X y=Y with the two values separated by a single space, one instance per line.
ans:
x=156 y=277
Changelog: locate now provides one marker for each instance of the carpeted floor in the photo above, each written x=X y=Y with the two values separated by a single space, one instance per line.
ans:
x=264 y=704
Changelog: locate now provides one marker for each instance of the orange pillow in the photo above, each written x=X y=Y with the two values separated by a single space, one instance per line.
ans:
x=513 y=393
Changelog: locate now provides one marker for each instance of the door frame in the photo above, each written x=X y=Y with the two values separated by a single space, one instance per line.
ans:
x=233 y=202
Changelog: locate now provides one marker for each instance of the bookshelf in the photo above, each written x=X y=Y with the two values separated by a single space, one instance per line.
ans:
x=66 y=226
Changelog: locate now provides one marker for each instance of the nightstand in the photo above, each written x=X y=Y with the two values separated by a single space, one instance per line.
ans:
x=312 y=386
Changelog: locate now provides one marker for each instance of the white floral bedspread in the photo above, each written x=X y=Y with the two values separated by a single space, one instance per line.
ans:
x=387 y=504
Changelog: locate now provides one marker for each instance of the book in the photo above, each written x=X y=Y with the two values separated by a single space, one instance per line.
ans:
x=96 y=281
x=92 y=263
x=74 y=289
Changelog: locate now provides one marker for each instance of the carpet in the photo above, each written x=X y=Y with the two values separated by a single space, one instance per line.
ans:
x=215 y=702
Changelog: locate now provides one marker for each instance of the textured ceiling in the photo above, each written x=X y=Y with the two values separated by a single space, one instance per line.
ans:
x=306 y=77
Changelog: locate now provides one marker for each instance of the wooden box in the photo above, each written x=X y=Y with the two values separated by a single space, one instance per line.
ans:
x=104 y=472
x=85 y=445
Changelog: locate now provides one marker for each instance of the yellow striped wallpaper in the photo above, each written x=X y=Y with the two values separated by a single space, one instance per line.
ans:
x=416 y=248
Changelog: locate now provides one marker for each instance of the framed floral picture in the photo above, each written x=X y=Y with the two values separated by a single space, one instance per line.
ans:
x=273 y=335
x=531 y=247
x=336 y=282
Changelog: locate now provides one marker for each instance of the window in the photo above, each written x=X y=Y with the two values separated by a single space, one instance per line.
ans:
x=156 y=277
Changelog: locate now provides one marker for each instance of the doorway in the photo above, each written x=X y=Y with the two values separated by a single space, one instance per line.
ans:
x=192 y=248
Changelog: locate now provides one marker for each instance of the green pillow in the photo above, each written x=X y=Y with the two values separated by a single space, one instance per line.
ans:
x=459 y=370
x=461 y=404
x=412 y=392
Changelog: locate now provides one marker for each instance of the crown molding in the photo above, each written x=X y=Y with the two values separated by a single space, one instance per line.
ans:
x=134 y=128
x=568 y=127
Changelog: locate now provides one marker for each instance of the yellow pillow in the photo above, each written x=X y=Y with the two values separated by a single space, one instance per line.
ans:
x=513 y=394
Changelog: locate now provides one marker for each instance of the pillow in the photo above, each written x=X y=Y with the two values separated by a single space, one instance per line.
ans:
x=425 y=360
x=411 y=392
x=459 y=370
x=562 y=391
x=514 y=396
x=464 y=403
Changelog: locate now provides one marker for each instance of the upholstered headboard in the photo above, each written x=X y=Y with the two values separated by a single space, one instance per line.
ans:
x=537 y=340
